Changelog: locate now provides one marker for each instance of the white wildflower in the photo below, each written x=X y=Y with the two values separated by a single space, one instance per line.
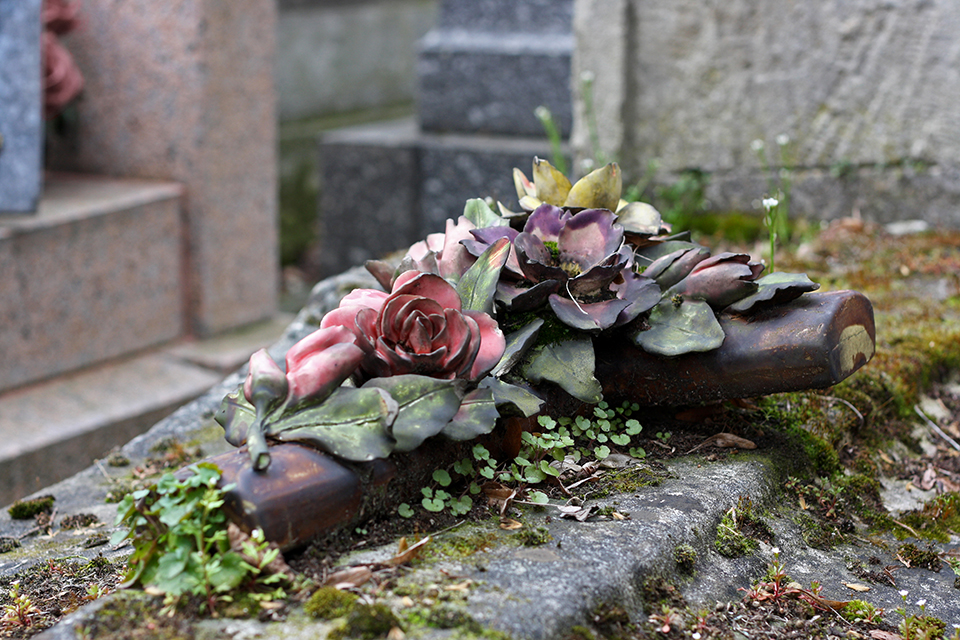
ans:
x=770 y=203
x=757 y=145
x=783 y=139
x=922 y=602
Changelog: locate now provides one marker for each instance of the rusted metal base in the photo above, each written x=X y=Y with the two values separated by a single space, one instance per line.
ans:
x=812 y=342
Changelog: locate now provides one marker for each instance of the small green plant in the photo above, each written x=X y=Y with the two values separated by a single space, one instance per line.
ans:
x=685 y=556
x=919 y=627
x=546 y=119
x=862 y=611
x=21 y=612
x=26 y=509
x=737 y=529
x=181 y=544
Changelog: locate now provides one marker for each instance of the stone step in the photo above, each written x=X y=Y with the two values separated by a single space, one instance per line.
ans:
x=53 y=429
x=95 y=274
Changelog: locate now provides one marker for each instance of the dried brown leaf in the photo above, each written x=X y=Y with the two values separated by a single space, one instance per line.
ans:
x=856 y=586
x=509 y=524
x=348 y=578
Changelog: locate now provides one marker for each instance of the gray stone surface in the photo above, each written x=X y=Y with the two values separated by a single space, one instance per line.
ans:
x=541 y=592
x=490 y=64
x=369 y=196
x=328 y=59
x=21 y=106
x=866 y=85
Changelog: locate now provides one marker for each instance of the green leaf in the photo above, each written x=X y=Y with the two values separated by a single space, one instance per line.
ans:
x=549 y=470
x=570 y=365
x=620 y=439
x=602 y=452
x=478 y=284
x=518 y=343
x=404 y=510
x=235 y=415
x=477 y=416
x=352 y=424
x=510 y=398
x=425 y=406
x=775 y=288
x=675 y=330
x=436 y=506
x=229 y=573
x=479 y=213
x=442 y=477
x=538 y=497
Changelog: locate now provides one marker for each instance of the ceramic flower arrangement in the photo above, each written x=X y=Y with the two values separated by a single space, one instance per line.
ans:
x=476 y=320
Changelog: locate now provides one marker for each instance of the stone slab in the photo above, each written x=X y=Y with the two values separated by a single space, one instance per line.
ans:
x=327 y=62
x=184 y=91
x=458 y=167
x=95 y=274
x=859 y=84
x=55 y=429
x=491 y=16
x=369 y=199
x=230 y=351
x=21 y=106
x=387 y=185
x=493 y=82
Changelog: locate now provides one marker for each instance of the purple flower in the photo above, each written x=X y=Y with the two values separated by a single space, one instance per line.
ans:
x=720 y=280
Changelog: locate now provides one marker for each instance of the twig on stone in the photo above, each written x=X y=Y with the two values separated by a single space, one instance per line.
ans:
x=936 y=428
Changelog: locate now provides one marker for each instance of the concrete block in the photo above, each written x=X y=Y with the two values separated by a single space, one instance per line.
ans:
x=55 y=429
x=94 y=275
x=21 y=106
x=369 y=194
x=184 y=91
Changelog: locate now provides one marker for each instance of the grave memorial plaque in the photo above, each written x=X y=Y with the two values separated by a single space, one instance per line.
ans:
x=21 y=122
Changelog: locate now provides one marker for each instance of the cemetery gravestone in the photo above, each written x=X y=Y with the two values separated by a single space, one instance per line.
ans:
x=21 y=125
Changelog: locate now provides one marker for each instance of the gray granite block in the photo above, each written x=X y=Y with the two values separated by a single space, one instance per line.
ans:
x=21 y=123
x=456 y=168
x=532 y=16
x=477 y=82
x=369 y=194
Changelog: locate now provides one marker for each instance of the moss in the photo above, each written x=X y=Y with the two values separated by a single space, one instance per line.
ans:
x=739 y=529
x=928 y=559
x=685 y=556
x=367 y=622
x=461 y=545
x=856 y=610
x=131 y=615
x=628 y=480
x=657 y=593
x=26 y=509
x=579 y=632
x=936 y=520
x=329 y=602
x=533 y=537
x=928 y=627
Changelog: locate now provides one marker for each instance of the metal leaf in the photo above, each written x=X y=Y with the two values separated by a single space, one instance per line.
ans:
x=552 y=186
x=599 y=189
x=477 y=416
x=478 y=285
x=511 y=398
x=425 y=406
x=775 y=288
x=568 y=364
x=352 y=424
x=677 y=329
x=235 y=415
x=479 y=213
x=517 y=344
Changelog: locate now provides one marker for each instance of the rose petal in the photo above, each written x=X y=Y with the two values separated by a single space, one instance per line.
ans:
x=592 y=317
x=317 y=375
x=429 y=286
x=546 y=222
x=265 y=380
x=589 y=237
x=319 y=340
x=492 y=345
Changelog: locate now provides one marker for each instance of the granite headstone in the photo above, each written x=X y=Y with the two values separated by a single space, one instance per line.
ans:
x=21 y=123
